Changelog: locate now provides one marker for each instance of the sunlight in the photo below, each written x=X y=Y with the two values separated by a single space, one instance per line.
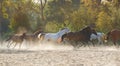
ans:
x=38 y=1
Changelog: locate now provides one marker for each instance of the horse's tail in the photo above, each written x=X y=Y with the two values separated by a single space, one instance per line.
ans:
x=40 y=36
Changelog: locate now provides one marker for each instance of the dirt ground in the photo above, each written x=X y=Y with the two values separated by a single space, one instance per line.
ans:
x=61 y=55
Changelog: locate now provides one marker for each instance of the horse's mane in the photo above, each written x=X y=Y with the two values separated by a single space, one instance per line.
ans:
x=85 y=29
x=115 y=30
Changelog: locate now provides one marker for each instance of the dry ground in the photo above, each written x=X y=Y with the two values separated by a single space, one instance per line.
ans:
x=60 y=55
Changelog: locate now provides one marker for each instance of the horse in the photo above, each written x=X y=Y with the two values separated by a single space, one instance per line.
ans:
x=114 y=35
x=100 y=37
x=53 y=36
x=79 y=36
x=32 y=37
x=17 y=39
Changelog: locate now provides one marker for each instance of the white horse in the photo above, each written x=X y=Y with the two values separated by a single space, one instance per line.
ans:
x=54 y=36
x=100 y=37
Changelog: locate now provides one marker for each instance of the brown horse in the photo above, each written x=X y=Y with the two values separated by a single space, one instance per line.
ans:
x=114 y=35
x=32 y=37
x=17 y=39
x=82 y=35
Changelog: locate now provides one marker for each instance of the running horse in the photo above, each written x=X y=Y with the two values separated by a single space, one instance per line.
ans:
x=15 y=39
x=82 y=35
x=32 y=37
x=53 y=36
x=100 y=37
x=114 y=35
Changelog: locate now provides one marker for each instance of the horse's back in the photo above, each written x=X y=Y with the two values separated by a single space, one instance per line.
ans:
x=115 y=30
x=50 y=35
x=100 y=34
x=114 y=34
x=76 y=36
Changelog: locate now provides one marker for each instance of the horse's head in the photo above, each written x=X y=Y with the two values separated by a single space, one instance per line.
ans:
x=88 y=30
x=23 y=35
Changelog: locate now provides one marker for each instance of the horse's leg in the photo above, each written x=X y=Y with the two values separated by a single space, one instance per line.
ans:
x=83 y=44
x=114 y=41
x=15 y=45
x=75 y=45
x=20 y=45
x=87 y=42
x=9 y=44
x=102 y=41
x=115 y=44
x=99 y=42
x=92 y=43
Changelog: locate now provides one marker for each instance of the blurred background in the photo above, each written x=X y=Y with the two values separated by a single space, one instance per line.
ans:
x=18 y=16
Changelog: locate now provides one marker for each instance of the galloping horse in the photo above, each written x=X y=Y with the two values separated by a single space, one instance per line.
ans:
x=32 y=37
x=82 y=35
x=17 y=39
x=114 y=35
x=53 y=36
x=100 y=37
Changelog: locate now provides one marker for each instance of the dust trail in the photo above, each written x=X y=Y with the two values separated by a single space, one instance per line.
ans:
x=38 y=46
x=56 y=46
x=51 y=46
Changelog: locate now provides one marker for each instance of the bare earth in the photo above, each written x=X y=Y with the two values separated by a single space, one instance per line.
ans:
x=61 y=56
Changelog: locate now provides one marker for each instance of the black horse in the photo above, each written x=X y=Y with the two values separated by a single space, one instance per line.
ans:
x=80 y=36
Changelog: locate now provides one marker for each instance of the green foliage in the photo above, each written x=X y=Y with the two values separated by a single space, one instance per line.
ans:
x=60 y=10
x=104 y=22
x=52 y=27
x=74 y=14
x=116 y=18
x=20 y=19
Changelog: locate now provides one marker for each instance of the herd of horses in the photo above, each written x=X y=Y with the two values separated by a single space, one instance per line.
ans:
x=83 y=36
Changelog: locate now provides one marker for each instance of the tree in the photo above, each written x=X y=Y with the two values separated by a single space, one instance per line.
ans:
x=41 y=6
x=104 y=22
x=20 y=20
x=60 y=11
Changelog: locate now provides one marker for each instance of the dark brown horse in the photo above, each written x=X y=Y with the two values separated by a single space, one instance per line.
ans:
x=80 y=36
x=32 y=37
x=114 y=35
